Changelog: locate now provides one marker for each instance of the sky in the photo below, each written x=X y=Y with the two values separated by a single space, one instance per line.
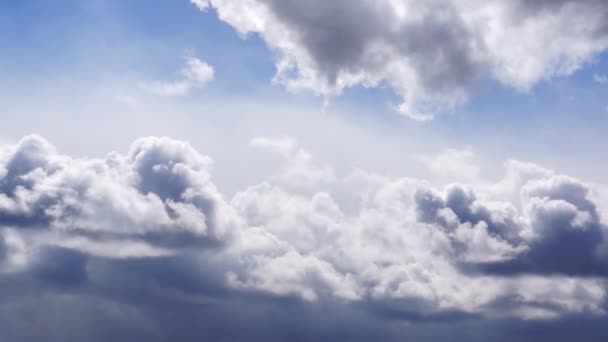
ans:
x=271 y=170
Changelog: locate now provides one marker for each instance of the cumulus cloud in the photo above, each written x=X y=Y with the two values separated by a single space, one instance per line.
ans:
x=159 y=192
x=567 y=232
x=432 y=54
x=140 y=231
x=459 y=206
x=195 y=73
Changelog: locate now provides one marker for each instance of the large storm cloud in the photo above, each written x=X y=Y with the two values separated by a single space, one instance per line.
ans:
x=431 y=53
x=143 y=245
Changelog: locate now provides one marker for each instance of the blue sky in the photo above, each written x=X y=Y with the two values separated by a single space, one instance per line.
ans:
x=303 y=170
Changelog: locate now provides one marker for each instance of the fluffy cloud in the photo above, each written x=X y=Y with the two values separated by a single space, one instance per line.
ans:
x=159 y=192
x=195 y=73
x=430 y=53
x=146 y=229
x=567 y=232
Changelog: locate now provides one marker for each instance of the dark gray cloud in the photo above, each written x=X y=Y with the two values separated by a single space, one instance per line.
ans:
x=95 y=312
x=569 y=233
x=164 y=299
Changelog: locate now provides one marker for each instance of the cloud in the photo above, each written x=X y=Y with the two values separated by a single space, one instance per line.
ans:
x=201 y=4
x=198 y=71
x=299 y=171
x=159 y=193
x=135 y=235
x=195 y=73
x=453 y=164
x=460 y=206
x=567 y=232
x=432 y=54
x=601 y=79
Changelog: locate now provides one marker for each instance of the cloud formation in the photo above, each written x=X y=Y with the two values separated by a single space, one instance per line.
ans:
x=195 y=73
x=123 y=236
x=432 y=54
x=601 y=79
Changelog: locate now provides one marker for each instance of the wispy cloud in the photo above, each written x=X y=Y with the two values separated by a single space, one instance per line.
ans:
x=201 y=4
x=195 y=73
x=601 y=79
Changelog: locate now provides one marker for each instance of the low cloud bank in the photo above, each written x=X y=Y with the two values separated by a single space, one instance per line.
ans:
x=122 y=237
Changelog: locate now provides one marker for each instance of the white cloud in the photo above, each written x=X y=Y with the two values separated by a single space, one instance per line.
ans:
x=601 y=79
x=198 y=71
x=195 y=73
x=201 y=4
x=453 y=165
x=179 y=88
x=430 y=53
x=299 y=171
x=424 y=249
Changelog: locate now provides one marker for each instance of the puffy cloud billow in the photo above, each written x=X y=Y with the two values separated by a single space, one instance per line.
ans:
x=431 y=53
x=143 y=246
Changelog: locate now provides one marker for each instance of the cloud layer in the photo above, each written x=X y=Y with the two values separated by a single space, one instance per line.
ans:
x=431 y=53
x=128 y=231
